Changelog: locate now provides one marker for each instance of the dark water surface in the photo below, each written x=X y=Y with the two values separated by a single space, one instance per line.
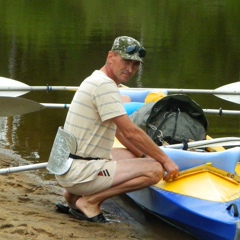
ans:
x=189 y=43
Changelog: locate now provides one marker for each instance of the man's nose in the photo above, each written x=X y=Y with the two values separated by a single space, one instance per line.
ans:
x=130 y=67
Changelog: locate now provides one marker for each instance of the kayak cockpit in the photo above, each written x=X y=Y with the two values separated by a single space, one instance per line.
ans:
x=205 y=182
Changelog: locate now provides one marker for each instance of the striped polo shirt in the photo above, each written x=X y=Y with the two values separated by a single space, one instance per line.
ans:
x=95 y=103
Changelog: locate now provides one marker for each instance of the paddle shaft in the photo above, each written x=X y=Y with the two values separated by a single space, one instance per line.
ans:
x=224 y=141
x=219 y=112
x=11 y=106
x=13 y=88
x=23 y=168
x=73 y=88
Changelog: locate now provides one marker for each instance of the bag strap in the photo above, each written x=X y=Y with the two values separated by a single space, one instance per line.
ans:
x=175 y=126
x=165 y=118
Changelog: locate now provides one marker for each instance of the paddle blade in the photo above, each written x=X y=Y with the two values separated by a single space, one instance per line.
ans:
x=232 y=87
x=10 y=106
x=9 y=84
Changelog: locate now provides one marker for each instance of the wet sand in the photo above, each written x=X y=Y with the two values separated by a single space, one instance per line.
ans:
x=28 y=212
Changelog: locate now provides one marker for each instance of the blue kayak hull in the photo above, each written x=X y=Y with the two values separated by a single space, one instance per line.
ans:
x=198 y=202
x=206 y=220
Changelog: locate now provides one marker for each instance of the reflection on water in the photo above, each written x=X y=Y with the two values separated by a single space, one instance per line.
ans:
x=189 y=44
x=9 y=137
x=8 y=127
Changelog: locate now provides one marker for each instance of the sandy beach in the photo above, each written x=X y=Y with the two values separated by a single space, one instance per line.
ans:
x=28 y=210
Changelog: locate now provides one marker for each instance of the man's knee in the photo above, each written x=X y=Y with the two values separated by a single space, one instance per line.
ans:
x=156 y=173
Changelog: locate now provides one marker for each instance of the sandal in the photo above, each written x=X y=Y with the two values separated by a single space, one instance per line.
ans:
x=62 y=208
x=81 y=216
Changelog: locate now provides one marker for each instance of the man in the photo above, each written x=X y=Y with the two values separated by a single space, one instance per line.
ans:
x=95 y=116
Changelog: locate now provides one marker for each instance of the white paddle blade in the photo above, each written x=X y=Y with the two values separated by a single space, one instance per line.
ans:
x=10 y=83
x=232 y=87
x=11 y=106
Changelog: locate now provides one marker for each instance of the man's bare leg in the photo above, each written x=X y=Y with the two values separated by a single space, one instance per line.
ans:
x=71 y=199
x=121 y=153
x=90 y=204
x=131 y=175
x=117 y=154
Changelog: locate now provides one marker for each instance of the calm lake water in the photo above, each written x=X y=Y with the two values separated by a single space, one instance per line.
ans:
x=189 y=43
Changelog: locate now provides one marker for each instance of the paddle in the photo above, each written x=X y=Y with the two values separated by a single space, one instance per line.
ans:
x=229 y=92
x=11 y=106
x=225 y=141
x=23 y=168
x=219 y=111
x=13 y=88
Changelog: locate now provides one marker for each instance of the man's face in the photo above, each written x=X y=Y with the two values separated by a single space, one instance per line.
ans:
x=122 y=69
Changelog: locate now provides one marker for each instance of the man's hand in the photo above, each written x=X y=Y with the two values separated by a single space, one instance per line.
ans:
x=171 y=170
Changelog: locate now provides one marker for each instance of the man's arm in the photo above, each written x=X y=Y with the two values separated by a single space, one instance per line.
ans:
x=137 y=141
x=137 y=152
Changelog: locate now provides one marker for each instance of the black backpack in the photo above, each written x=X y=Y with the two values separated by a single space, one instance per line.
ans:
x=173 y=119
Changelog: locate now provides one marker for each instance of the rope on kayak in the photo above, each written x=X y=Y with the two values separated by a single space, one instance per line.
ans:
x=235 y=209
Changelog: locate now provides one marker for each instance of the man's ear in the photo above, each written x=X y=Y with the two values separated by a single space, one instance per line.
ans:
x=110 y=56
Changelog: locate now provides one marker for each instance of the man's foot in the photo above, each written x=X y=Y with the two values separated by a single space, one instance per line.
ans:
x=81 y=216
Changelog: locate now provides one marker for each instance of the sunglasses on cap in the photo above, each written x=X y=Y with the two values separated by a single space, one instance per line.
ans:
x=133 y=49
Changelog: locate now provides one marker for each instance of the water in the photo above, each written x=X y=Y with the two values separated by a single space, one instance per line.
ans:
x=189 y=43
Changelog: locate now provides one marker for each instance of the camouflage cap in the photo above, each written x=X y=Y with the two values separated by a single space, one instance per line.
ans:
x=129 y=48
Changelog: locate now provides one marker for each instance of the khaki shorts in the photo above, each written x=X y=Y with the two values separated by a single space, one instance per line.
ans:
x=99 y=176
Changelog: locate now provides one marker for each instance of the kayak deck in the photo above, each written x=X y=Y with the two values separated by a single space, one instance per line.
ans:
x=206 y=183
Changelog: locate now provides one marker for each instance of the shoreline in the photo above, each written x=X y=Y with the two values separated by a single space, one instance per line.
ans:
x=28 y=210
